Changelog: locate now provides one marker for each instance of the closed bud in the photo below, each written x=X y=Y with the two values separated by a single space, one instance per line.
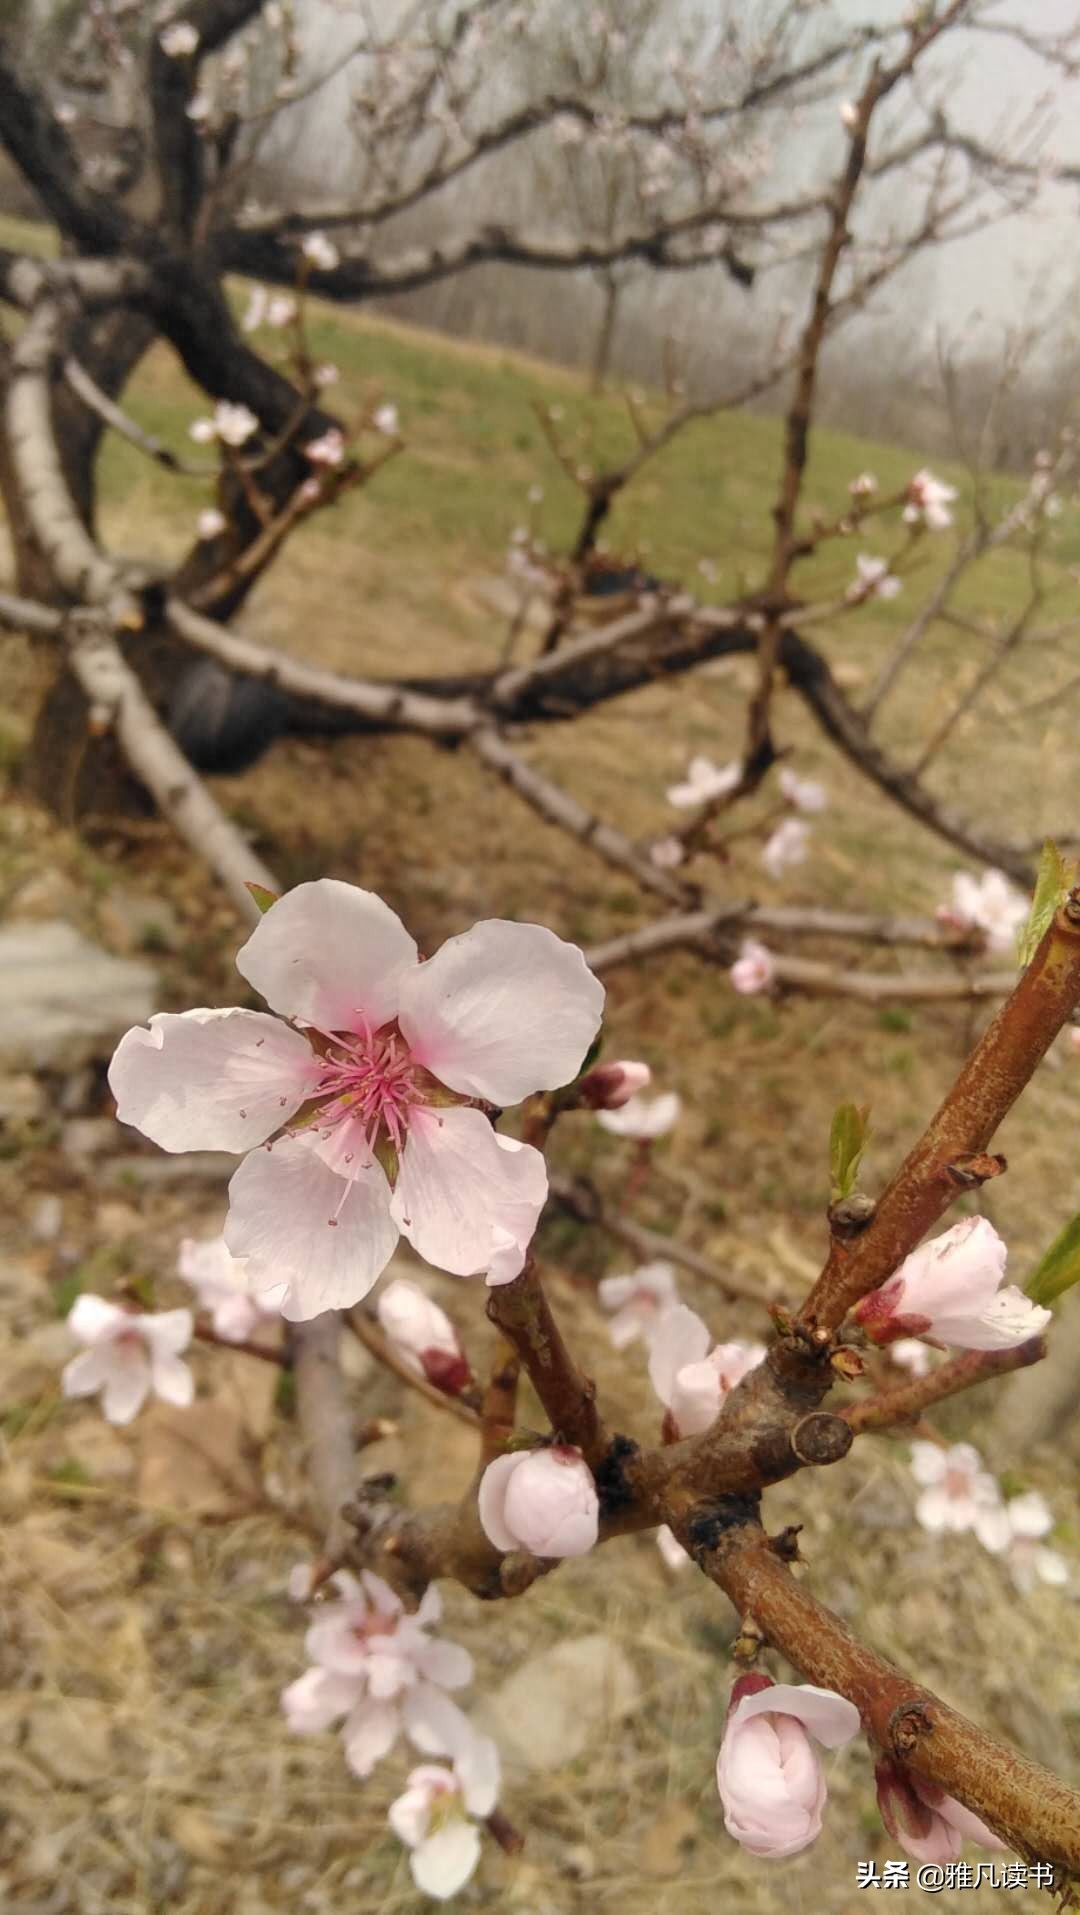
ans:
x=543 y=1500
x=609 y=1086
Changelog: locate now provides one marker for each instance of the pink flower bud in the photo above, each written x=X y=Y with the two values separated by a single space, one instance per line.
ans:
x=544 y=1501
x=753 y=969
x=423 y=1335
x=951 y=1289
x=609 y=1086
x=768 y=1773
x=930 y=1825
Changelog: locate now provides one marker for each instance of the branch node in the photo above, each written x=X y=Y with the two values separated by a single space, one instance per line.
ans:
x=979 y=1167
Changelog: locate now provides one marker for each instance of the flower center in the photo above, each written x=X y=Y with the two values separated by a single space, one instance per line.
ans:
x=957 y=1483
x=370 y=1079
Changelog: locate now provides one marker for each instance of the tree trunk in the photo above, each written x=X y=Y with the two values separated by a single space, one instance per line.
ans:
x=604 y=338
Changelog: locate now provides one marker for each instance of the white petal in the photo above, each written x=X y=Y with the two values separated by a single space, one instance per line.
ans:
x=1050 y=1567
x=370 y=1732
x=434 y=1724
x=410 y=1813
x=456 y=1186
x=1030 y=1515
x=503 y=1010
x=680 y=1338
x=329 y=954
x=173 y=1381
x=317 y=1699
x=445 y=1663
x=86 y=1374
x=94 y=1319
x=830 y=1718
x=127 y=1387
x=167 y=1332
x=479 y=1771
x=443 y=1862
x=210 y=1080
x=492 y=1499
x=281 y=1202
x=928 y=1462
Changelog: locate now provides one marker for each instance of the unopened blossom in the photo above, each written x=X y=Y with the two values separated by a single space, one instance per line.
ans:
x=928 y=501
x=873 y=579
x=232 y=424
x=806 y=794
x=956 y=1490
x=991 y=904
x=385 y=420
x=378 y=1671
x=211 y=523
x=788 y=845
x=199 y=107
x=437 y=1815
x=541 y=1500
x=849 y=115
x=704 y=781
x=320 y=252
x=128 y=1357
x=423 y=1335
x=671 y=1550
x=637 y=1301
x=768 y=1772
x=951 y=1289
x=369 y=1091
x=909 y=1354
x=179 y=39
x=218 y=1279
x=667 y=853
x=690 y=1377
x=863 y=486
x=610 y=1086
x=327 y=449
x=753 y=969
x=1016 y=1530
x=643 y=1117
x=928 y=1824
x=265 y=308
x=325 y=373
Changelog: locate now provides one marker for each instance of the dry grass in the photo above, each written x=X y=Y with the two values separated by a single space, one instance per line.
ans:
x=146 y=1765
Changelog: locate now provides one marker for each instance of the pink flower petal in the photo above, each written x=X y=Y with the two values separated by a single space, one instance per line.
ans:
x=456 y=1186
x=680 y=1338
x=210 y=1080
x=329 y=954
x=503 y=1010
x=281 y=1205
x=443 y=1862
x=370 y=1733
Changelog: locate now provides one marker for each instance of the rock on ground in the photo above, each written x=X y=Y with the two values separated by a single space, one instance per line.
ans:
x=64 y=1001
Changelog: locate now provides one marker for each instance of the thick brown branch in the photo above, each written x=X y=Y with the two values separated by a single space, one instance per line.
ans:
x=522 y=1312
x=992 y=1079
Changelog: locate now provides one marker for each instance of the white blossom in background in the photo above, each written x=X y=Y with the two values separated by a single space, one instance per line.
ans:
x=376 y=1670
x=128 y=1357
x=1017 y=1531
x=385 y=420
x=199 y=107
x=380 y=1060
x=218 y=1280
x=952 y=1289
x=849 y=115
x=328 y=449
x=806 y=794
x=957 y=1492
x=211 y=523
x=265 y=308
x=911 y=1355
x=422 y=1334
x=768 y=1772
x=789 y=845
x=754 y=969
x=873 y=579
x=541 y=1500
x=667 y=853
x=690 y=1374
x=232 y=424
x=437 y=1815
x=704 y=781
x=991 y=904
x=863 y=486
x=179 y=39
x=637 y=1301
x=325 y=374
x=928 y=501
x=643 y=1117
x=320 y=252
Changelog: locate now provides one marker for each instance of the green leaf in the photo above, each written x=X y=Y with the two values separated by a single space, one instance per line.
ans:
x=263 y=898
x=848 y=1138
x=1051 y=886
x=1058 y=1268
